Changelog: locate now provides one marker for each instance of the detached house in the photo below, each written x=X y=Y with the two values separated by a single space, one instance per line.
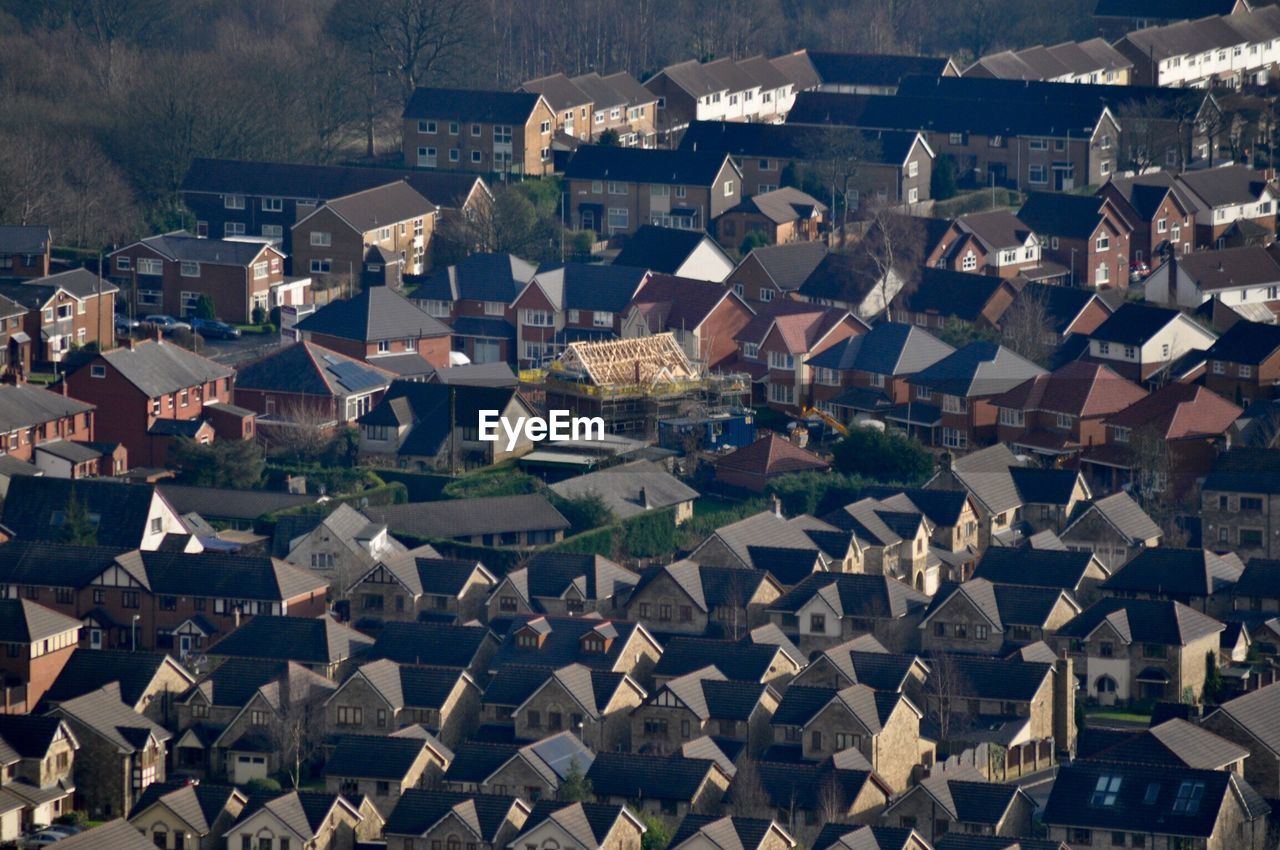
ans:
x=616 y=190
x=304 y=385
x=675 y=250
x=1230 y=196
x=773 y=271
x=982 y=618
x=561 y=583
x=1160 y=212
x=61 y=310
x=865 y=375
x=688 y=598
x=1197 y=578
x=1248 y=721
x=704 y=702
x=1139 y=340
x=1082 y=232
x=941 y=298
x=375 y=236
x=25 y=250
x=1244 y=363
x=575 y=302
x=379 y=322
x=1112 y=528
x=829 y=608
x=665 y=786
x=535 y=701
x=382 y=696
x=148 y=393
x=782 y=338
x=962 y=801
x=469 y=130
x=1237 y=502
x=704 y=317
x=1241 y=278
x=490 y=821
x=171 y=273
x=995 y=243
x=475 y=298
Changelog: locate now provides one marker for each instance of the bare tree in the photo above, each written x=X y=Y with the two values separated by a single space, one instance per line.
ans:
x=749 y=796
x=945 y=695
x=834 y=155
x=895 y=244
x=294 y=731
x=301 y=432
x=833 y=807
x=1150 y=464
x=1025 y=327
x=1148 y=132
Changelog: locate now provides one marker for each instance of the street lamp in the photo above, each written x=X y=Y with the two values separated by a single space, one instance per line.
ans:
x=134 y=641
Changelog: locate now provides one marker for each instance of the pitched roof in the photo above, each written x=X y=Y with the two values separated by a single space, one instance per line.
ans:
x=1225 y=185
x=670 y=303
x=377 y=313
x=782 y=205
x=24 y=621
x=588 y=823
x=117 y=834
x=1062 y=214
x=430 y=407
x=481 y=276
x=553 y=574
x=199 y=805
x=561 y=642
x=996 y=229
x=1078 y=388
x=89 y=669
x=478 y=105
x=889 y=348
x=309 y=369
x=788 y=265
x=374 y=757
x=1148 y=799
x=560 y=91
x=442 y=644
x=872 y=69
x=1179 y=411
x=468 y=517
x=645 y=165
x=28 y=736
x=1175 y=572
x=961 y=295
x=803 y=785
x=729 y=832
x=1123 y=514
x=1134 y=323
x=158 y=368
x=181 y=245
x=419 y=810
x=307 y=640
x=24 y=406
x=1003 y=679
x=1251 y=343
x=24 y=238
x=1143 y=621
x=103 y=712
x=771 y=455
x=662 y=249
x=1174 y=743
x=1034 y=567
x=978 y=369
x=854 y=595
x=1003 y=604
x=743 y=139
x=590 y=286
x=632 y=776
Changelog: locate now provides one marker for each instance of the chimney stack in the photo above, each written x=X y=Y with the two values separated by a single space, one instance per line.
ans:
x=777 y=507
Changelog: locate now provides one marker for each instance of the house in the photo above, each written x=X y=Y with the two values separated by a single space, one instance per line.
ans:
x=962 y=801
x=754 y=657
x=419 y=585
x=571 y=107
x=437 y=426
x=863 y=660
x=1231 y=276
x=150 y=682
x=150 y=392
x=894 y=168
x=196 y=815
x=15 y=343
x=1197 y=578
x=38 y=426
x=533 y=771
x=800 y=792
x=773 y=271
x=490 y=821
x=951 y=514
x=561 y=583
x=617 y=190
x=1117 y=17
x=1180 y=806
x=1244 y=363
x=237 y=198
x=25 y=250
x=703 y=702
x=630 y=489
x=973 y=128
x=474 y=297
x=316 y=820
x=318 y=643
x=474 y=130
x=753 y=467
x=520 y=521
x=689 y=598
x=443 y=644
x=174 y=272
x=1092 y=61
x=867 y=374
x=573 y=302
x=942 y=298
x=118 y=834
x=781 y=339
x=790 y=549
x=1237 y=500
x=880 y=728
x=377 y=322
x=71 y=308
x=664 y=786
x=1140 y=649
x=380 y=768
x=836 y=836
x=41 y=641
x=532 y=701
x=1166 y=47
x=776 y=217
x=1138 y=341
x=704 y=317
x=612 y=645
x=964 y=382
x=1160 y=213
x=1067 y=311
x=120 y=753
x=1060 y=413
x=129 y=516
x=383 y=696
x=894 y=542
x=1247 y=721
x=858 y=73
x=622 y=105
x=980 y=617
x=591 y=826
x=1230 y=195
x=987 y=476
x=1082 y=232
x=995 y=243
x=1175 y=743
x=1111 y=528
x=305 y=385
x=1187 y=421
x=829 y=608
x=722 y=89
x=706 y=832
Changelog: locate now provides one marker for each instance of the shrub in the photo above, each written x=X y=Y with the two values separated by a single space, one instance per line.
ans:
x=262 y=786
x=882 y=456
x=584 y=512
x=259 y=315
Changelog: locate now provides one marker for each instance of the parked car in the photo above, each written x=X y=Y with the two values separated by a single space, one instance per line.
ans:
x=166 y=324
x=64 y=828
x=43 y=838
x=1139 y=271
x=213 y=329
x=125 y=325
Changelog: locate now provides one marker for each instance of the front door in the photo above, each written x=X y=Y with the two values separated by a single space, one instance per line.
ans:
x=95 y=638
x=184 y=645
x=588 y=220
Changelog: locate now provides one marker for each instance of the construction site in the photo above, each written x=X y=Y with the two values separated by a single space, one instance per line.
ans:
x=633 y=383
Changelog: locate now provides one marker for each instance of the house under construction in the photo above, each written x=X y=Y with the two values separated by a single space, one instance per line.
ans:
x=632 y=383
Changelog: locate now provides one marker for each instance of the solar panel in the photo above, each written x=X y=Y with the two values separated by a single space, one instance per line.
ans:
x=354 y=377
x=559 y=753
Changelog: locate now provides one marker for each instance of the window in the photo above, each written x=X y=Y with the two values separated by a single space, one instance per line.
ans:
x=1162 y=225
x=545 y=127
x=233 y=228
x=617 y=188
x=321 y=239
x=953 y=438
x=1106 y=791
x=233 y=202
x=1103 y=243
x=123 y=263
x=129 y=599
x=969 y=263
x=1066 y=421
x=1250 y=503
x=818 y=623
x=602 y=319
x=1153 y=650
x=980 y=632
x=1012 y=418
x=150 y=266
x=956 y=138
x=619 y=218
x=1117 y=839
x=427 y=157
x=455 y=155
x=728 y=188
x=782 y=393
x=475 y=156
x=913 y=168
x=781 y=360
x=320 y=266
x=1251 y=537
x=1106 y=649
x=350 y=715
x=1037 y=174
x=1130 y=352
x=954 y=403
x=1038 y=144
x=502 y=134
x=1189 y=796
x=97 y=371
x=1246 y=371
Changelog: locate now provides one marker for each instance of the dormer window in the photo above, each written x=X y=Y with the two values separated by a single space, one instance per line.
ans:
x=593 y=645
x=527 y=640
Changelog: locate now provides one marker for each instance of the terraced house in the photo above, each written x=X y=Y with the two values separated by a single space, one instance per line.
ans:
x=486 y=131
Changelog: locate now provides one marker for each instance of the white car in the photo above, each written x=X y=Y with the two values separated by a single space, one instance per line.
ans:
x=43 y=838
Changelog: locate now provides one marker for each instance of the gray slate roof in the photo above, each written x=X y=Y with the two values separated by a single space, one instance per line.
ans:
x=467 y=517
x=158 y=368
x=377 y=313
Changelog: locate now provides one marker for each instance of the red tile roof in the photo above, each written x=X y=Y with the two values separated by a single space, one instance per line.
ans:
x=1078 y=388
x=771 y=455
x=670 y=302
x=1179 y=411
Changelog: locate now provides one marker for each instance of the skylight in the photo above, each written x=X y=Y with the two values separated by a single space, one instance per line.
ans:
x=1104 y=794
x=1189 y=795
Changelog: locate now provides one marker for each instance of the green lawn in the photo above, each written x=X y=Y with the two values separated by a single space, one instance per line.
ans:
x=1118 y=715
